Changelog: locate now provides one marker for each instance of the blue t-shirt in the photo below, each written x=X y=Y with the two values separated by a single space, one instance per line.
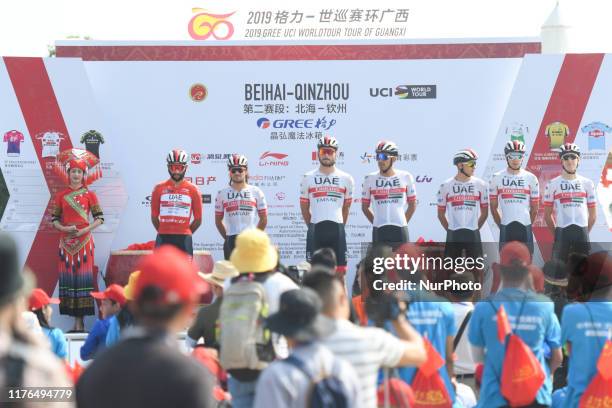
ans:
x=587 y=339
x=433 y=317
x=113 y=332
x=59 y=345
x=96 y=339
x=538 y=325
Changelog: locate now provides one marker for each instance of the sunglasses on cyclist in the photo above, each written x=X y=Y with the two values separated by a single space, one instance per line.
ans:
x=382 y=156
x=176 y=167
x=569 y=157
x=515 y=156
x=326 y=151
x=237 y=170
x=471 y=163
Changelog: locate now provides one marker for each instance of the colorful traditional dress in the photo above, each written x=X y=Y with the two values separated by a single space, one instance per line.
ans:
x=76 y=254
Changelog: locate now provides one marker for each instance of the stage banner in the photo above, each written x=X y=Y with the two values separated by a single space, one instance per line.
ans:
x=274 y=112
x=558 y=99
x=48 y=107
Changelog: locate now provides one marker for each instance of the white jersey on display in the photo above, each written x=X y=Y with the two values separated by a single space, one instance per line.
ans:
x=515 y=194
x=240 y=209
x=570 y=200
x=51 y=143
x=463 y=201
x=389 y=197
x=326 y=194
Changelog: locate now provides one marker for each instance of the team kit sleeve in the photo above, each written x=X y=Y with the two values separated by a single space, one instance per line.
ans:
x=196 y=203
x=411 y=194
x=442 y=197
x=155 y=197
x=262 y=205
x=219 y=210
x=534 y=188
x=304 y=197
x=350 y=186
x=549 y=195
x=493 y=190
x=590 y=191
x=484 y=195
x=366 y=193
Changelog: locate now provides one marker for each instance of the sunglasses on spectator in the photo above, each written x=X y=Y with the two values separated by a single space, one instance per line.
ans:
x=515 y=156
x=177 y=167
x=470 y=163
x=569 y=157
x=237 y=170
x=326 y=151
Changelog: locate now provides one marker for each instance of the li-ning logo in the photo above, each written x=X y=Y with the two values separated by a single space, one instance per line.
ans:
x=273 y=159
x=202 y=25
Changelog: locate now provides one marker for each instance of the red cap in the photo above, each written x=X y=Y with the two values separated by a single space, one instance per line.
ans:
x=515 y=250
x=169 y=269
x=112 y=292
x=40 y=299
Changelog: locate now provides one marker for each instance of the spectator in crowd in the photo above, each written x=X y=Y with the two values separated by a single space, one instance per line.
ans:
x=146 y=369
x=555 y=284
x=256 y=259
x=25 y=359
x=40 y=304
x=205 y=323
x=367 y=349
x=521 y=305
x=288 y=383
x=465 y=367
x=324 y=257
x=586 y=326
x=433 y=317
x=124 y=318
x=111 y=302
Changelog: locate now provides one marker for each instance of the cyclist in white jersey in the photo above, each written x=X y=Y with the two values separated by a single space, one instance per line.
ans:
x=239 y=206
x=463 y=206
x=388 y=198
x=516 y=193
x=571 y=198
x=326 y=194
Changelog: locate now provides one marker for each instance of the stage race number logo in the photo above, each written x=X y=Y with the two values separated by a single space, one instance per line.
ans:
x=198 y=92
x=203 y=24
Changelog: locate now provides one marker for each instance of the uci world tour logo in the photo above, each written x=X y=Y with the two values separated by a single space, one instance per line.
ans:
x=203 y=25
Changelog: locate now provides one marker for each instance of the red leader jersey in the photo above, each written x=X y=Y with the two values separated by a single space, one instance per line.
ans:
x=174 y=205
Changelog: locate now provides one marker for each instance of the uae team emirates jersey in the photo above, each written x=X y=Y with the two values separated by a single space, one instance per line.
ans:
x=389 y=197
x=515 y=193
x=174 y=205
x=326 y=194
x=570 y=200
x=240 y=208
x=462 y=201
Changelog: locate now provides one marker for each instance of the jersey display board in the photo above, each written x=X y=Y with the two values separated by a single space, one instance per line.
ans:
x=275 y=111
x=559 y=99
x=47 y=105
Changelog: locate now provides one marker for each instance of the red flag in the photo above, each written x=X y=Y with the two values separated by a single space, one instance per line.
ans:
x=503 y=325
x=434 y=359
x=604 y=364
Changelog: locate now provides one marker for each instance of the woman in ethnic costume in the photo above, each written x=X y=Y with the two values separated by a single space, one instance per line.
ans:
x=76 y=248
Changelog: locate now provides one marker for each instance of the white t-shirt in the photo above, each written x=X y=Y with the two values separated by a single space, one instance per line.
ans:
x=464 y=364
x=570 y=200
x=462 y=201
x=515 y=193
x=367 y=349
x=240 y=208
x=51 y=143
x=389 y=197
x=326 y=194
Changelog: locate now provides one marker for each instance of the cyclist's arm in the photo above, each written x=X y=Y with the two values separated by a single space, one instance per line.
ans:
x=220 y=226
x=495 y=212
x=365 y=208
x=195 y=224
x=155 y=209
x=345 y=210
x=305 y=208
x=533 y=210
x=411 y=209
x=442 y=217
x=550 y=222
x=592 y=217
x=263 y=220
x=484 y=213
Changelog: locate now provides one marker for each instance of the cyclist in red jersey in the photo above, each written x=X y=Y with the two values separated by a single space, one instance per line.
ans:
x=173 y=203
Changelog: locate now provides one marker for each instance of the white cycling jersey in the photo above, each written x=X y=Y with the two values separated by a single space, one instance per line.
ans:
x=326 y=194
x=515 y=193
x=240 y=209
x=570 y=200
x=389 y=197
x=463 y=201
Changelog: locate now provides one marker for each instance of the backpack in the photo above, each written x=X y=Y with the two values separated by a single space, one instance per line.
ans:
x=522 y=374
x=326 y=390
x=598 y=391
x=428 y=385
x=243 y=340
